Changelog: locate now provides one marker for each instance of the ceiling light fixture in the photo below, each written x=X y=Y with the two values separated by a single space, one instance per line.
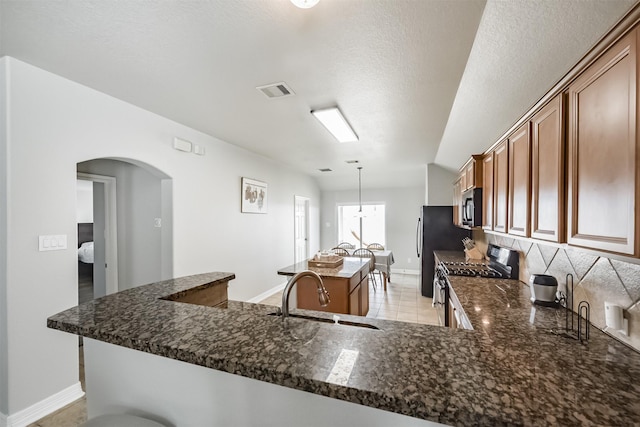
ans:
x=334 y=121
x=305 y=4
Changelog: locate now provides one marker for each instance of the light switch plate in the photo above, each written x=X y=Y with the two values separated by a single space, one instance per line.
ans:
x=55 y=242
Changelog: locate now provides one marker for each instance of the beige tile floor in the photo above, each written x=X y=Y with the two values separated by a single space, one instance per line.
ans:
x=402 y=301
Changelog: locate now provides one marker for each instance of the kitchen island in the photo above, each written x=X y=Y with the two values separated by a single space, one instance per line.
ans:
x=509 y=371
x=347 y=284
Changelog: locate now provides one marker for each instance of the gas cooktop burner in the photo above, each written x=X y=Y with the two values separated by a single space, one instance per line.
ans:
x=465 y=263
x=474 y=272
x=471 y=269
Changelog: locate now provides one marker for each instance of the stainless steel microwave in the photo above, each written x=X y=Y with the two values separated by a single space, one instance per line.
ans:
x=472 y=208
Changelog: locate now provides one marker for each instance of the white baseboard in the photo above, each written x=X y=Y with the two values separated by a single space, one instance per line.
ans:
x=405 y=271
x=43 y=408
x=268 y=293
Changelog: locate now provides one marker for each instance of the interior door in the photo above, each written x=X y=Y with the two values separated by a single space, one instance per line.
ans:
x=99 y=241
x=301 y=231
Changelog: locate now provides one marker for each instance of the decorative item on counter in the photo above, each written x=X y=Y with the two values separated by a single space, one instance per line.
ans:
x=586 y=308
x=470 y=250
x=568 y=307
x=584 y=315
x=325 y=260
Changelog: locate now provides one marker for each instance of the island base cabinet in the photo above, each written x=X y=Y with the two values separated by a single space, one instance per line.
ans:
x=348 y=296
x=120 y=380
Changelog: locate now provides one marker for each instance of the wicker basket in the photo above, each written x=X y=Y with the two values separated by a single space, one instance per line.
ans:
x=331 y=261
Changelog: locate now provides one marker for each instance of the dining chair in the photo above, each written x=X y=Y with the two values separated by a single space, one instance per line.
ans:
x=367 y=253
x=375 y=247
x=340 y=251
x=345 y=245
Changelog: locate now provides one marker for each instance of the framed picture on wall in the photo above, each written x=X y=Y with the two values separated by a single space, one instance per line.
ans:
x=254 y=196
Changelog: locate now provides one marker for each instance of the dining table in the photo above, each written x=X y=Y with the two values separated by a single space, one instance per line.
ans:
x=384 y=259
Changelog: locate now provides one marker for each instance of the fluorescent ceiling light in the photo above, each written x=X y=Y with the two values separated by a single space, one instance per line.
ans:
x=334 y=121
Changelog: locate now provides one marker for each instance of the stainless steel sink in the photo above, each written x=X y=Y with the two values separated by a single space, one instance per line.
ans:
x=324 y=320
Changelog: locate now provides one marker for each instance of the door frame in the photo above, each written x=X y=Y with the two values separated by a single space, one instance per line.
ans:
x=306 y=201
x=111 y=232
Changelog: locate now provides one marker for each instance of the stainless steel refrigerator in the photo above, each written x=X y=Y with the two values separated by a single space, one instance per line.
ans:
x=436 y=232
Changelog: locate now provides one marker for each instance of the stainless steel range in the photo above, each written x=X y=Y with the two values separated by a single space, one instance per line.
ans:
x=502 y=263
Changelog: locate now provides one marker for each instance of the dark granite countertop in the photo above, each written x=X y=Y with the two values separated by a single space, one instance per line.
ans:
x=349 y=267
x=506 y=372
x=566 y=382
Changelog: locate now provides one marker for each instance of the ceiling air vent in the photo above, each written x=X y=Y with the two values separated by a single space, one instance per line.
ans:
x=325 y=170
x=352 y=161
x=276 y=90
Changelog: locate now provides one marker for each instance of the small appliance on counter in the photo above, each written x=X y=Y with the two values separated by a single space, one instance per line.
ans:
x=544 y=290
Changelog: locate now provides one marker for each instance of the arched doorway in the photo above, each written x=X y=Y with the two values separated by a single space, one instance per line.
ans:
x=142 y=206
x=130 y=228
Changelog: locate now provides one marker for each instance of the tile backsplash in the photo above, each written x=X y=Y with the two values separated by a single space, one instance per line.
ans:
x=596 y=278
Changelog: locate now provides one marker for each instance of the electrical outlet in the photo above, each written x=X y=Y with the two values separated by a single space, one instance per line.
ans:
x=408 y=260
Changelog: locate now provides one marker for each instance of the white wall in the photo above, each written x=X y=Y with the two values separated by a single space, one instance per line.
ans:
x=139 y=202
x=439 y=187
x=55 y=124
x=3 y=239
x=402 y=208
x=84 y=197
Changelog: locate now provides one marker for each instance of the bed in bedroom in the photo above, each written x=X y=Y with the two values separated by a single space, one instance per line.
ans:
x=85 y=262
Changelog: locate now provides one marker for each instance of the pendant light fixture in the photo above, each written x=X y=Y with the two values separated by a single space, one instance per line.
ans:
x=360 y=201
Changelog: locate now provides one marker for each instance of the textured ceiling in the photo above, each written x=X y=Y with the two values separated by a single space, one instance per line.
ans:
x=523 y=47
x=407 y=74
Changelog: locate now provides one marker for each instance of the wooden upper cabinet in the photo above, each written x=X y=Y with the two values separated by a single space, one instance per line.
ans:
x=602 y=164
x=471 y=173
x=520 y=181
x=547 y=172
x=487 y=191
x=500 y=187
x=457 y=202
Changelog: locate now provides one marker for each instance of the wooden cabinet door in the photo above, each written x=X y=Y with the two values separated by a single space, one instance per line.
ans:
x=602 y=165
x=547 y=172
x=470 y=175
x=500 y=187
x=463 y=181
x=487 y=192
x=457 y=202
x=364 y=296
x=519 y=181
x=354 y=301
x=338 y=288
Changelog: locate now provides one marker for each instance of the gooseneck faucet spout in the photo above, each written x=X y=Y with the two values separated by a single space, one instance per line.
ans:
x=323 y=295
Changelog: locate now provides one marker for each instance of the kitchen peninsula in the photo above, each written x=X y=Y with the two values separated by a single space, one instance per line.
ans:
x=347 y=285
x=510 y=370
